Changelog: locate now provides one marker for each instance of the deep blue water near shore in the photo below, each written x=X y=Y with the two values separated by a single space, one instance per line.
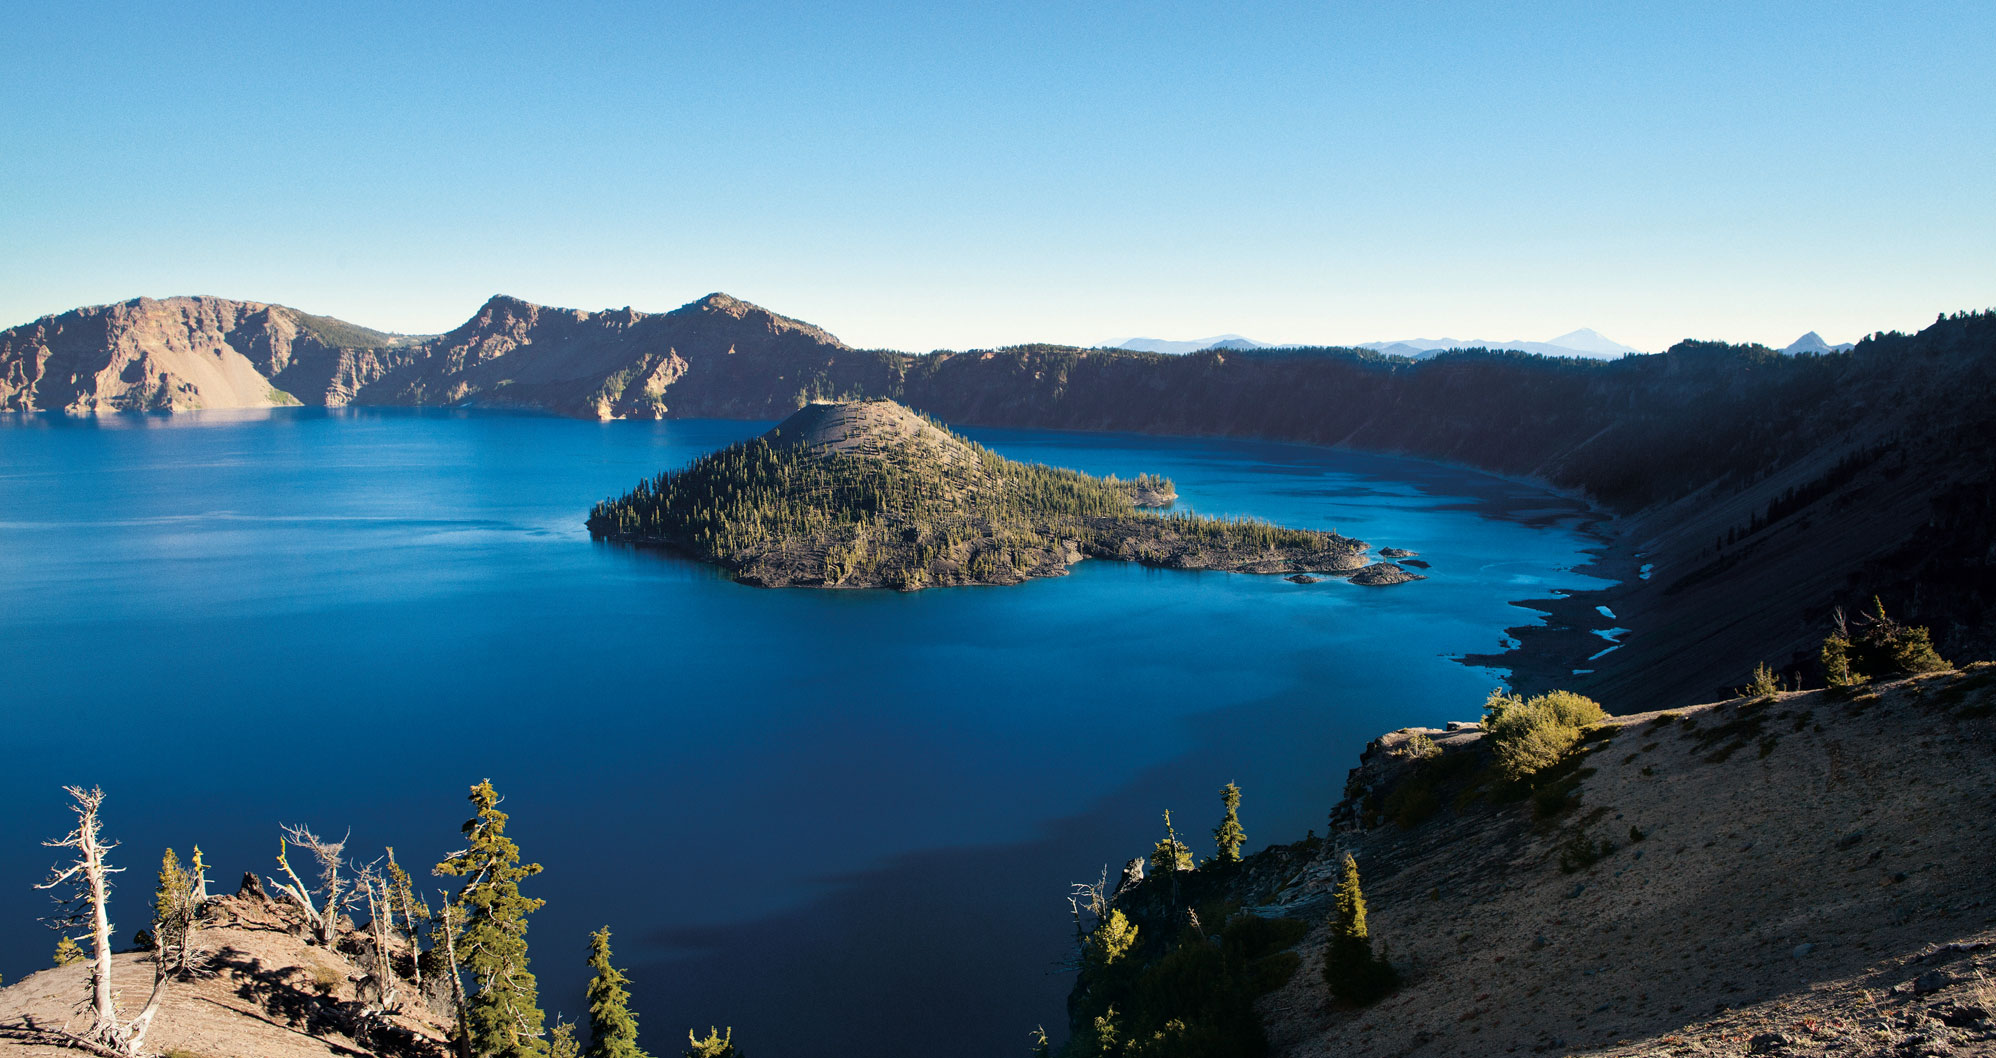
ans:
x=842 y=822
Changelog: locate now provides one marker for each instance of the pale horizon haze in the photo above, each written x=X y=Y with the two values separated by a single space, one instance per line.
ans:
x=920 y=176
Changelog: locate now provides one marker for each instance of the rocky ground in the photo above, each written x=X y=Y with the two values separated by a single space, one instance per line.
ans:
x=258 y=991
x=1800 y=875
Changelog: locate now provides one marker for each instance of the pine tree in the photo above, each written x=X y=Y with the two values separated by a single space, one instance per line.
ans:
x=1229 y=836
x=403 y=904
x=1837 y=670
x=715 y=1045
x=1170 y=854
x=1111 y=940
x=1351 y=970
x=67 y=952
x=505 y=1016
x=172 y=909
x=1348 y=905
x=613 y=1029
x=561 y=1041
x=1873 y=645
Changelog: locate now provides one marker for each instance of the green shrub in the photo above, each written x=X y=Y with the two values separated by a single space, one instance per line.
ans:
x=1412 y=803
x=1421 y=747
x=1558 y=789
x=1192 y=999
x=1873 y=644
x=1427 y=783
x=1763 y=683
x=1170 y=854
x=1530 y=735
x=325 y=979
x=1580 y=852
x=1111 y=940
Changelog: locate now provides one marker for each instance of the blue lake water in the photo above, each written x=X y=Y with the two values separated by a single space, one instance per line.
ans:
x=842 y=822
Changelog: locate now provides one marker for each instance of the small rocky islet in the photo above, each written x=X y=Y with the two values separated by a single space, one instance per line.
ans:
x=862 y=494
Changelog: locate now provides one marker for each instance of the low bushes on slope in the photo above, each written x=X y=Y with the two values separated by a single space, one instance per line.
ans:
x=1529 y=735
x=1191 y=998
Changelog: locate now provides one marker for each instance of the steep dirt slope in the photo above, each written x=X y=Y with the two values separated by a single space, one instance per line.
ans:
x=146 y=355
x=258 y=992
x=1795 y=875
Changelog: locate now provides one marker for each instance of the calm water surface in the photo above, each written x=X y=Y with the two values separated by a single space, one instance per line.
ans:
x=843 y=822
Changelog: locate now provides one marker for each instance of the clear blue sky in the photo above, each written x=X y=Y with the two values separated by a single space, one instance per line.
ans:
x=922 y=175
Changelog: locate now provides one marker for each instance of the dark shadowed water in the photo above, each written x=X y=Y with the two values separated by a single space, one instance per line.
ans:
x=842 y=822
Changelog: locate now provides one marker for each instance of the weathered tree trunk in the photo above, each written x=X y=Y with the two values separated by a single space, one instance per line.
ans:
x=134 y=1035
x=405 y=900
x=90 y=874
x=462 y=1040
x=106 y=1023
x=325 y=921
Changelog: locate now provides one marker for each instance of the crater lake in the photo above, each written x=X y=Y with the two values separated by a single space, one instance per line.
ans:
x=842 y=822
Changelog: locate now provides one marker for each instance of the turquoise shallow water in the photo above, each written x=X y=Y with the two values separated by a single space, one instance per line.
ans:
x=812 y=815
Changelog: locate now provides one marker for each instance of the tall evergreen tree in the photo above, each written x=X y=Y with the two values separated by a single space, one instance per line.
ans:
x=505 y=1016
x=613 y=1029
x=1351 y=970
x=1229 y=836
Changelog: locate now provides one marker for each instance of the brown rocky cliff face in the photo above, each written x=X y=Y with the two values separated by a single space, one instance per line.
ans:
x=730 y=357
x=173 y=354
x=139 y=355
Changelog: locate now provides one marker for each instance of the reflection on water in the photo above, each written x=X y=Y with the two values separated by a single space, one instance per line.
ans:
x=809 y=814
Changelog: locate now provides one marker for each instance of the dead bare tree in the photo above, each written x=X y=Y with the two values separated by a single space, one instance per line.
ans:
x=410 y=908
x=324 y=920
x=381 y=996
x=199 y=868
x=447 y=920
x=88 y=878
x=1091 y=897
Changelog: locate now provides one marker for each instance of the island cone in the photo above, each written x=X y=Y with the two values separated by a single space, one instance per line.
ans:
x=871 y=494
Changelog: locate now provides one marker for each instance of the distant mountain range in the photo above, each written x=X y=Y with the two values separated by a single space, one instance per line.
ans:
x=1583 y=342
x=1163 y=345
